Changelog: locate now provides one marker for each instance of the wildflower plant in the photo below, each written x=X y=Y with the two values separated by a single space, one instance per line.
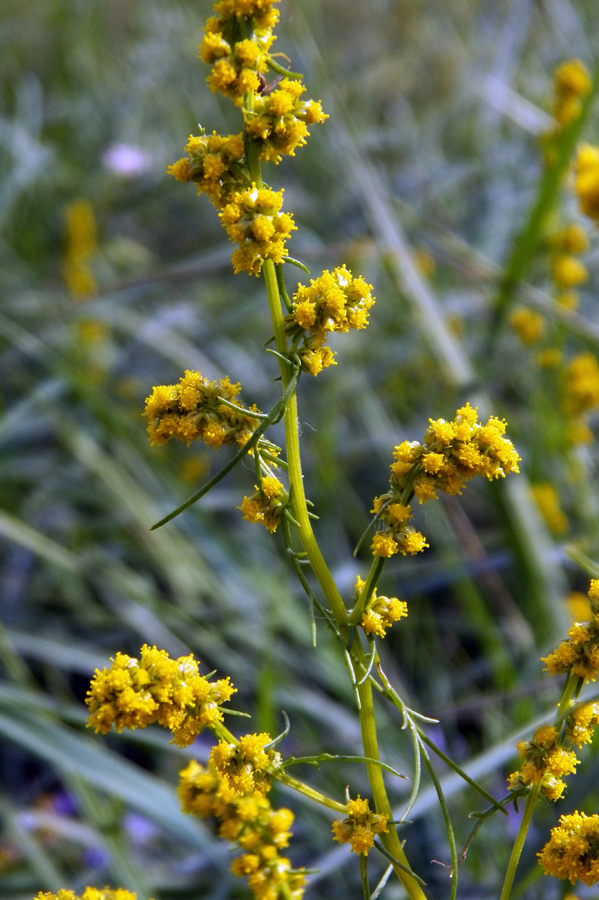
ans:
x=231 y=789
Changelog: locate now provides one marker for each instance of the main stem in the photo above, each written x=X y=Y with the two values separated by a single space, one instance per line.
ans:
x=300 y=512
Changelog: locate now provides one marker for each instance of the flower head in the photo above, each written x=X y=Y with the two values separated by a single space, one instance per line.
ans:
x=90 y=893
x=279 y=120
x=572 y=852
x=586 y=180
x=266 y=504
x=335 y=301
x=253 y=220
x=198 y=408
x=360 y=826
x=579 y=654
x=452 y=453
x=244 y=816
x=380 y=612
x=134 y=693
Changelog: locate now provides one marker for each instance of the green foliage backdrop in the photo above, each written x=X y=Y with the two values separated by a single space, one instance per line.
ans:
x=422 y=176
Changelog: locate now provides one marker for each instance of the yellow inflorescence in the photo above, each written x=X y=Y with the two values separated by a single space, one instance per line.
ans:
x=81 y=235
x=253 y=219
x=571 y=84
x=247 y=766
x=579 y=654
x=266 y=504
x=279 y=120
x=89 y=893
x=572 y=852
x=194 y=409
x=135 y=693
x=246 y=818
x=381 y=612
x=544 y=761
x=581 y=385
x=211 y=165
x=360 y=826
x=237 y=44
x=586 y=180
x=452 y=454
x=547 y=499
x=335 y=301
x=530 y=326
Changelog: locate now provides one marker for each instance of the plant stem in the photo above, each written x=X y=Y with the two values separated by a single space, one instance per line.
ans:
x=377 y=785
x=531 y=802
x=310 y=792
x=296 y=479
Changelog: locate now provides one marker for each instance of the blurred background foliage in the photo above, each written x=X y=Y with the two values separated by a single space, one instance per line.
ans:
x=419 y=180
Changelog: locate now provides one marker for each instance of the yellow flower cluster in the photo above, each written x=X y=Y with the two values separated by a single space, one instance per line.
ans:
x=279 y=120
x=80 y=249
x=572 y=83
x=547 y=501
x=266 y=504
x=579 y=654
x=335 y=301
x=586 y=180
x=134 y=693
x=544 y=760
x=236 y=45
x=528 y=324
x=252 y=219
x=566 y=269
x=247 y=766
x=213 y=165
x=381 y=612
x=246 y=818
x=89 y=893
x=452 y=453
x=194 y=409
x=360 y=826
x=572 y=851
x=581 y=385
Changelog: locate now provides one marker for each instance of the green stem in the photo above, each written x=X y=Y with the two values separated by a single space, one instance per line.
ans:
x=310 y=792
x=296 y=478
x=531 y=802
x=390 y=840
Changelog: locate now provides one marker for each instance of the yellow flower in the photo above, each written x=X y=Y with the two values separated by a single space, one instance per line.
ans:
x=81 y=236
x=381 y=612
x=244 y=816
x=253 y=220
x=360 y=826
x=89 y=893
x=279 y=120
x=547 y=501
x=384 y=545
x=246 y=767
x=572 y=851
x=266 y=504
x=194 y=409
x=529 y=325
x=135 y=693
x=586 y=180
x=581 y=385
x=568 y=271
